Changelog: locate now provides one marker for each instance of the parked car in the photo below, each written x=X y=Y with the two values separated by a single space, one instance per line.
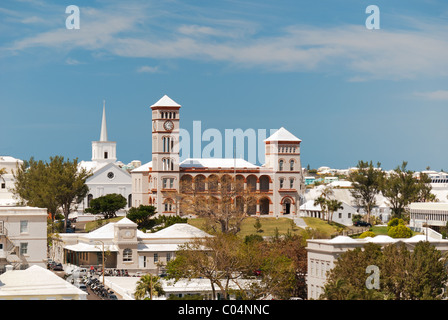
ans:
x=58 y=267
x=113 y=297
x=361 y=223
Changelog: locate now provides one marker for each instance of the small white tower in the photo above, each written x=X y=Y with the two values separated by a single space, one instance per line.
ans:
x=104 y=150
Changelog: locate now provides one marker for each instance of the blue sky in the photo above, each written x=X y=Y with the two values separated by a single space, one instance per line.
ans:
x=310 y=66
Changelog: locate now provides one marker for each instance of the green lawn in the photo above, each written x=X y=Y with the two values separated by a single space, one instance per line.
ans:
x=268 y=226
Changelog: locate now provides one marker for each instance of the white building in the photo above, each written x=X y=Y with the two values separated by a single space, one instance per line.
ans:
x=109 y=176
x=125 y=246
x=322 y=254
x=342 y=216
x=278 y=183
x=23 y=237
x=434 y=214
x=37 y=283
x=7 y=180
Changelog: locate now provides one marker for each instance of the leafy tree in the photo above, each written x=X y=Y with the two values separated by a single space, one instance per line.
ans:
x=401 y=188
x=366 y=183
x=107 y=205
x=404 y=275
x=148 y=285
x=142 y=216
x=226 y=260
x=52 y=185
x=346 y=281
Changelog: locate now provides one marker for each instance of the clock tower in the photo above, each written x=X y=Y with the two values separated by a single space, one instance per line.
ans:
x=165 y=153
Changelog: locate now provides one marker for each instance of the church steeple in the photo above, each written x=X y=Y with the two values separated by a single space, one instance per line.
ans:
x=103 y=136
x=104 y=150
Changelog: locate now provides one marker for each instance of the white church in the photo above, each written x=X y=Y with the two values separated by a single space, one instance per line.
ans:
x=108 y=174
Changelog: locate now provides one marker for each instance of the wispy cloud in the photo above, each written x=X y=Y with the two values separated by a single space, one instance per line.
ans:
x=439 y=95
x=148 y=69
x=351 y=50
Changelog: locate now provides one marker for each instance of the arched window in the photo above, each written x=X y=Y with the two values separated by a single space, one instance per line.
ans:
x=169 y=205
x=280 y=165
x=291 y=165
x=127 y=254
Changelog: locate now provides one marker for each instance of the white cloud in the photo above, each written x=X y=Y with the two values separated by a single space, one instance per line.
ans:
x=72 y=62
x=440 y=95
x=353 y=50
x=148 y=69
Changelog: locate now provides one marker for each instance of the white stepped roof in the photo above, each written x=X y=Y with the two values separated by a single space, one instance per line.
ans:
x=342 y=239
x=143 y=168
x=179 y=230
x=282 y=135
x=166 y=101
x=216 y=163
x=35 y=281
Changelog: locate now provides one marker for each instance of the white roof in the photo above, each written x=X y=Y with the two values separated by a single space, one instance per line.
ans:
x=309 y=205
x=158 y=247
x=382 y=239
x=143 y=168
x=9 y=159
x=282 y=135
x=178 y=230
x=35 y=281
x=92 y=165
x=166 y=101
x=429 y=206
x=85 y=247
x=417 y=238
x=342 y=239
x=216 y=163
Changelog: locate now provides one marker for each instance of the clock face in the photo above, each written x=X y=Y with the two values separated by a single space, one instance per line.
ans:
x=168 y=125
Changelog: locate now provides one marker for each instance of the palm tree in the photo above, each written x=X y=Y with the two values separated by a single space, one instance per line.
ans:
x=333 y=205
x=148 y=284
x=322 y=202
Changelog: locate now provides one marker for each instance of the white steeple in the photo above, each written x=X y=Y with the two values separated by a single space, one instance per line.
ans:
x=103 y=136
x=104 y=150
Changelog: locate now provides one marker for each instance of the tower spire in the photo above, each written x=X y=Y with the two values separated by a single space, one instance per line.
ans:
x=103 y=136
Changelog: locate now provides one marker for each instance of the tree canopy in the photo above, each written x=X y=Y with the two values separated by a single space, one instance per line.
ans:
x=57 y=184
x=107 y=205
x=403 y=275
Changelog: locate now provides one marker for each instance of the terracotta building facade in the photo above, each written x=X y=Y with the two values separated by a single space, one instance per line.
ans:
x=277 y=185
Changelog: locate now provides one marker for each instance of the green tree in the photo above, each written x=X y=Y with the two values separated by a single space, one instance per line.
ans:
x=142 y=216
x=107 y=205
x=54 y=185
x=401 y=188
x=147 y=287
x=404 y=275
x=346 y=281
x=366 y=183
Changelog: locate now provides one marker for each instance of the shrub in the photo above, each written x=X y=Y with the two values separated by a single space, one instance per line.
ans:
x=399 y=231
x=366 y=234
x=394 y=222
